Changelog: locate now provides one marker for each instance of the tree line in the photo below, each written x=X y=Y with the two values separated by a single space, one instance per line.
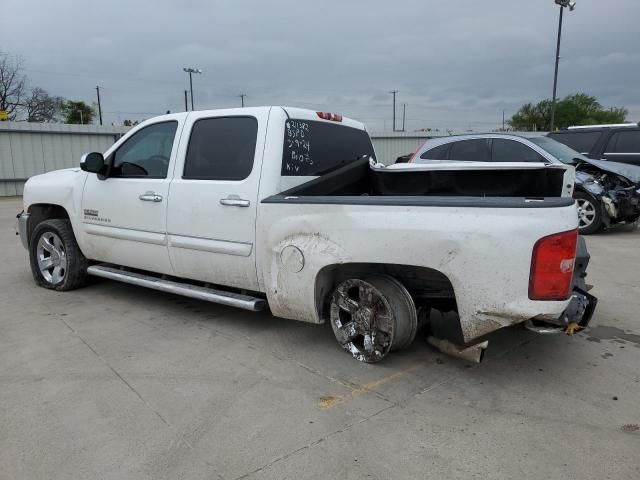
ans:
x=573 y=110
x=23 y=102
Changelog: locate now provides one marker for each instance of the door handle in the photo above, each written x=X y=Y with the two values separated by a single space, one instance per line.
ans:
x=234 y=201
x=150 y=197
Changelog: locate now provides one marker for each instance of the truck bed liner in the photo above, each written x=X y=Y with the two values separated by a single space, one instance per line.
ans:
x=359 y=184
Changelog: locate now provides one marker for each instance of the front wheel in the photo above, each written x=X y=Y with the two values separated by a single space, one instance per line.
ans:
x=56 y=261
x=589 y=213
x=372 y=316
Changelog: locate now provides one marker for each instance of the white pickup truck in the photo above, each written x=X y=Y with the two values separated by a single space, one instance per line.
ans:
x=286 y=208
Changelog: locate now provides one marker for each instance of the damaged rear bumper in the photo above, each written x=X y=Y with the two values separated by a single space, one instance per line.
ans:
x=582 y=304
x=579 y=312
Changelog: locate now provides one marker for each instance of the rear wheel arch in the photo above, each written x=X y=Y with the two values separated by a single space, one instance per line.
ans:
x=425 y=285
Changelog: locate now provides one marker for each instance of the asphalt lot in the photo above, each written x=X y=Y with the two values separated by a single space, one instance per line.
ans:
x=114 y=382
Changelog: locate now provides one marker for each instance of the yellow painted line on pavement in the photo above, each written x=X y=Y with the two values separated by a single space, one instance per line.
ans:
x=330 y=401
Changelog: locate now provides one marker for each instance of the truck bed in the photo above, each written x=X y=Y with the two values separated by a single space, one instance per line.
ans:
x=479 y=185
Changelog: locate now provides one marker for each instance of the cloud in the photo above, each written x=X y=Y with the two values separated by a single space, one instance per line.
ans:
x=456 y=64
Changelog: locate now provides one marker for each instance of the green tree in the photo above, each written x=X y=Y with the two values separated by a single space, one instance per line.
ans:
x=77 y=112
x=578 y=109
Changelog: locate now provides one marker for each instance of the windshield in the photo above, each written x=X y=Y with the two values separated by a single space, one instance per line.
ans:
x=558 y=150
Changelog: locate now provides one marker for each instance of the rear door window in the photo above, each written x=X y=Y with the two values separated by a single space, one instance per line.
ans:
x=221 y=148
x=313 y=148
x=512 y=151
x=624 y=142
x=438 y=153
x=581 y=142
x=470 y=150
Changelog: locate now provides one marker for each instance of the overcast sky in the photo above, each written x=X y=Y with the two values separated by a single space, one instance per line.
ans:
x=457 y=64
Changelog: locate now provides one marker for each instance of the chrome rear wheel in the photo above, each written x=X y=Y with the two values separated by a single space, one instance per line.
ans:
x=372 y=316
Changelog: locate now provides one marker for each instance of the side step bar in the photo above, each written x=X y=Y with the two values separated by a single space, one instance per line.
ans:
x=192 y=291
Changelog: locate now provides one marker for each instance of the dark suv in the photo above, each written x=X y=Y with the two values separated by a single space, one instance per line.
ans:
x=618 y=143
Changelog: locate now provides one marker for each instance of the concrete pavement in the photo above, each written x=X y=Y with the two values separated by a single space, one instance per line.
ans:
x=118 y=382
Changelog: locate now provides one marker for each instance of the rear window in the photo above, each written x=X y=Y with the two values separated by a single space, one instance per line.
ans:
x=581 y=142
x=314 y=148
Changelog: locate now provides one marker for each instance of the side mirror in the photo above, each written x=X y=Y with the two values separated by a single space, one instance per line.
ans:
x=92 y=162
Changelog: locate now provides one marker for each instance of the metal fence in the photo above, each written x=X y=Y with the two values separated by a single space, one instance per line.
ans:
x=389 y=146
x=28 y=149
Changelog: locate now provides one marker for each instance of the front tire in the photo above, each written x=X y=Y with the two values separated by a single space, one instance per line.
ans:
x=56 y=260
x=372 y=316
x=589 y=213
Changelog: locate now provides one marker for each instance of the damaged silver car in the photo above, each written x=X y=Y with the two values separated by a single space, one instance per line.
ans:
x=607 y=192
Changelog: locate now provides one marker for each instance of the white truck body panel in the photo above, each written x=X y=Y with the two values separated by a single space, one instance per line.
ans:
x=485 y=252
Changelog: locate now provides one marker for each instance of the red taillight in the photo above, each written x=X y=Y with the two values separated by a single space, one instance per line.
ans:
x=552 y=266
x=334 y=117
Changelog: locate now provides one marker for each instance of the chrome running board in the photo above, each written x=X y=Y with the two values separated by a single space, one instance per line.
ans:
x=187 y=290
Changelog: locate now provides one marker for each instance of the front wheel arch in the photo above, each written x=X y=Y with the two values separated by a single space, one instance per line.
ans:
x=39 y=212
x=63 y=266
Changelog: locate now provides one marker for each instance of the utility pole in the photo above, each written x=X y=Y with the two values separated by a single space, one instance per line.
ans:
x=99 y=106
x=191 y=71
x=503 y=120
x=571 y=6
x=186 y=102
x=404 y=113
x=242 y=95
x=393 y=92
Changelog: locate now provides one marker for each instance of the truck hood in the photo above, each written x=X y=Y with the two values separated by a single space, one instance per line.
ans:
x=55 y=176
x=69 y=172
x=630 y=172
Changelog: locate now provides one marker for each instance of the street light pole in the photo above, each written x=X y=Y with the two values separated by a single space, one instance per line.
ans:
x=393 y=92
x=191 y=89
x=404 y=113
x=191 y=71
x=563 y=4
x=242 y=95
x=99 y=106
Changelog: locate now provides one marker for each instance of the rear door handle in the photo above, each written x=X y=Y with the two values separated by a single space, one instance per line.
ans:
x=234 y=201
x=150 y=197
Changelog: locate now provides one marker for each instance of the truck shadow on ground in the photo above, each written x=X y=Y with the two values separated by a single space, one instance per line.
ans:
x=516 y=358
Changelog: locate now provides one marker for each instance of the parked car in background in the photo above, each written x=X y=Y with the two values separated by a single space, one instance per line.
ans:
x=618 y=143
x=607 y=192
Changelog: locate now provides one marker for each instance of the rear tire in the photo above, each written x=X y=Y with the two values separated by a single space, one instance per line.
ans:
x=372 y=316
x=56 y=260
x=589 y=213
